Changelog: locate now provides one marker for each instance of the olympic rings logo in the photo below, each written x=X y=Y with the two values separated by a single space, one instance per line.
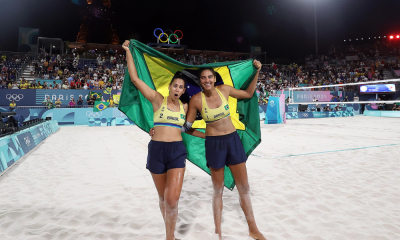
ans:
x=15 y=97
x=169 y=40
x=305 y=114
x=93 y=114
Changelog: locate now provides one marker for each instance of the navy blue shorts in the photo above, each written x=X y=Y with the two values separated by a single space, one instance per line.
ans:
x=224 y=150
x=163 y=156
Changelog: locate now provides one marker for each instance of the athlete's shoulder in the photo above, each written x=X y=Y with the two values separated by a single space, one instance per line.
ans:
x=224 y=89
x=196 y=97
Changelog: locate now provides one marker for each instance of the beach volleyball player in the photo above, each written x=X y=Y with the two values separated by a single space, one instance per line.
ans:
x=166 y=151
x=223 y=145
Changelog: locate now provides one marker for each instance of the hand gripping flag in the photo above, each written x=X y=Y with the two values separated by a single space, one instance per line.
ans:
x=100 y=106
x=157 y=70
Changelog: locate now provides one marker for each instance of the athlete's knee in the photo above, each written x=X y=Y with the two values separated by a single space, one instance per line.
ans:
x=218 y=189
x=161 y=199
x=243 y=188
x=172 y=202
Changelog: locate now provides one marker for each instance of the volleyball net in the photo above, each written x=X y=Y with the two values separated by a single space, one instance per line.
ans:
x=354 y=98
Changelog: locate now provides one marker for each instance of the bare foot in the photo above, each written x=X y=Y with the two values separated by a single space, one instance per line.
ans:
x=219 y=235
x=257 y=235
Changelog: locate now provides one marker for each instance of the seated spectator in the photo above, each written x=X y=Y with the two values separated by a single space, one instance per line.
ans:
x=13 y=105
x=39 y=86
x=78 y=84
x=15 y=86
x=3 y=85
x=58 y=103
x=72 y=103
x=396 y=107
x=72 y=84
x=80 y=101
x=91 y=100
x=84 y=85
x=380 y=105
x=48 y=102
x=65 y=85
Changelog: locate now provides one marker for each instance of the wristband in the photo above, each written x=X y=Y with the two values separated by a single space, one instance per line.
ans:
x=186 y=127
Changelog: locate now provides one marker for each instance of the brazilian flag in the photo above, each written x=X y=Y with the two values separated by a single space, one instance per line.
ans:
x=91 y=94
x=100 y=106
x=107 y=91
x=157 y=70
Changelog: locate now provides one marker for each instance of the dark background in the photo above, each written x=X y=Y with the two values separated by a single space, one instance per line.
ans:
x=215 y=24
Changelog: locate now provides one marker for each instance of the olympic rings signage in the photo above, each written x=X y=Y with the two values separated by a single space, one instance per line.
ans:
x=168 y=37
x=15 y=97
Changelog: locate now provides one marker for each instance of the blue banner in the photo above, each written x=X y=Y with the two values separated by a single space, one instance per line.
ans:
x=378 y=88
x=13 y=147
x=65 y=96
x=300 y=115
x=22 y=97
x=31 y=97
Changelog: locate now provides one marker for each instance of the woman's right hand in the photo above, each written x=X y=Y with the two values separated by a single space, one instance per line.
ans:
x=151 y=132
x=125 y=45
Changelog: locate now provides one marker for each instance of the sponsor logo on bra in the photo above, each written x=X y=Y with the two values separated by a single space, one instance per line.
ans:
x=172 y=118
x=219 y=115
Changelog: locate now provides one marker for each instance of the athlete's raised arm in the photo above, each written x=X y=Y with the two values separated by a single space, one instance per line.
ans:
x=248 y=93
x=153 y=96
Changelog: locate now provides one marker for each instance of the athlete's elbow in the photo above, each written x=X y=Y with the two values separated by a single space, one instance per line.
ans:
x=247 y=95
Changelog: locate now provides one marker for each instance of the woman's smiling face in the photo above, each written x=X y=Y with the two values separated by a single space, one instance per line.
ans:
x=207 y=79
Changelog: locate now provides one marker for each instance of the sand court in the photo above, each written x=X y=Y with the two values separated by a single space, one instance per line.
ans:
x=333 y=178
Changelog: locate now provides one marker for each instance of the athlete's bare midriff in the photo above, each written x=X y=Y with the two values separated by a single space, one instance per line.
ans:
x=221 y=127
x=167 y=134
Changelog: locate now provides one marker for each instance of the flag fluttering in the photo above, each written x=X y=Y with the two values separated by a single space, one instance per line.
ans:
x=100 y=106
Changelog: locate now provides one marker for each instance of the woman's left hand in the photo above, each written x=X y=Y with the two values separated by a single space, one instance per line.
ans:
x=257 y=64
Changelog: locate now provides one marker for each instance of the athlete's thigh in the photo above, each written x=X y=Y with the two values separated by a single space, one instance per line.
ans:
x=217 y=176
x=239 y=172
x=160 y=181
x=174 y=181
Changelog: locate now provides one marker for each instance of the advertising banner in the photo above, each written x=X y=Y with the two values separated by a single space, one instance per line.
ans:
x=378 y=88
x=26 y=141
x=13 y=147
x=22 y=97
x=300 y=115
x=308 y=96
x=65 y=96
x=75 y=116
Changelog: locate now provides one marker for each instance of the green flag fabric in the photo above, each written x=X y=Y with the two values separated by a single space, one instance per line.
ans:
x=157 y=70
x=100 y=106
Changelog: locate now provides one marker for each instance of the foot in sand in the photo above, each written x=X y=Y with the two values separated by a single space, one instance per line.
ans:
x=257 y=235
